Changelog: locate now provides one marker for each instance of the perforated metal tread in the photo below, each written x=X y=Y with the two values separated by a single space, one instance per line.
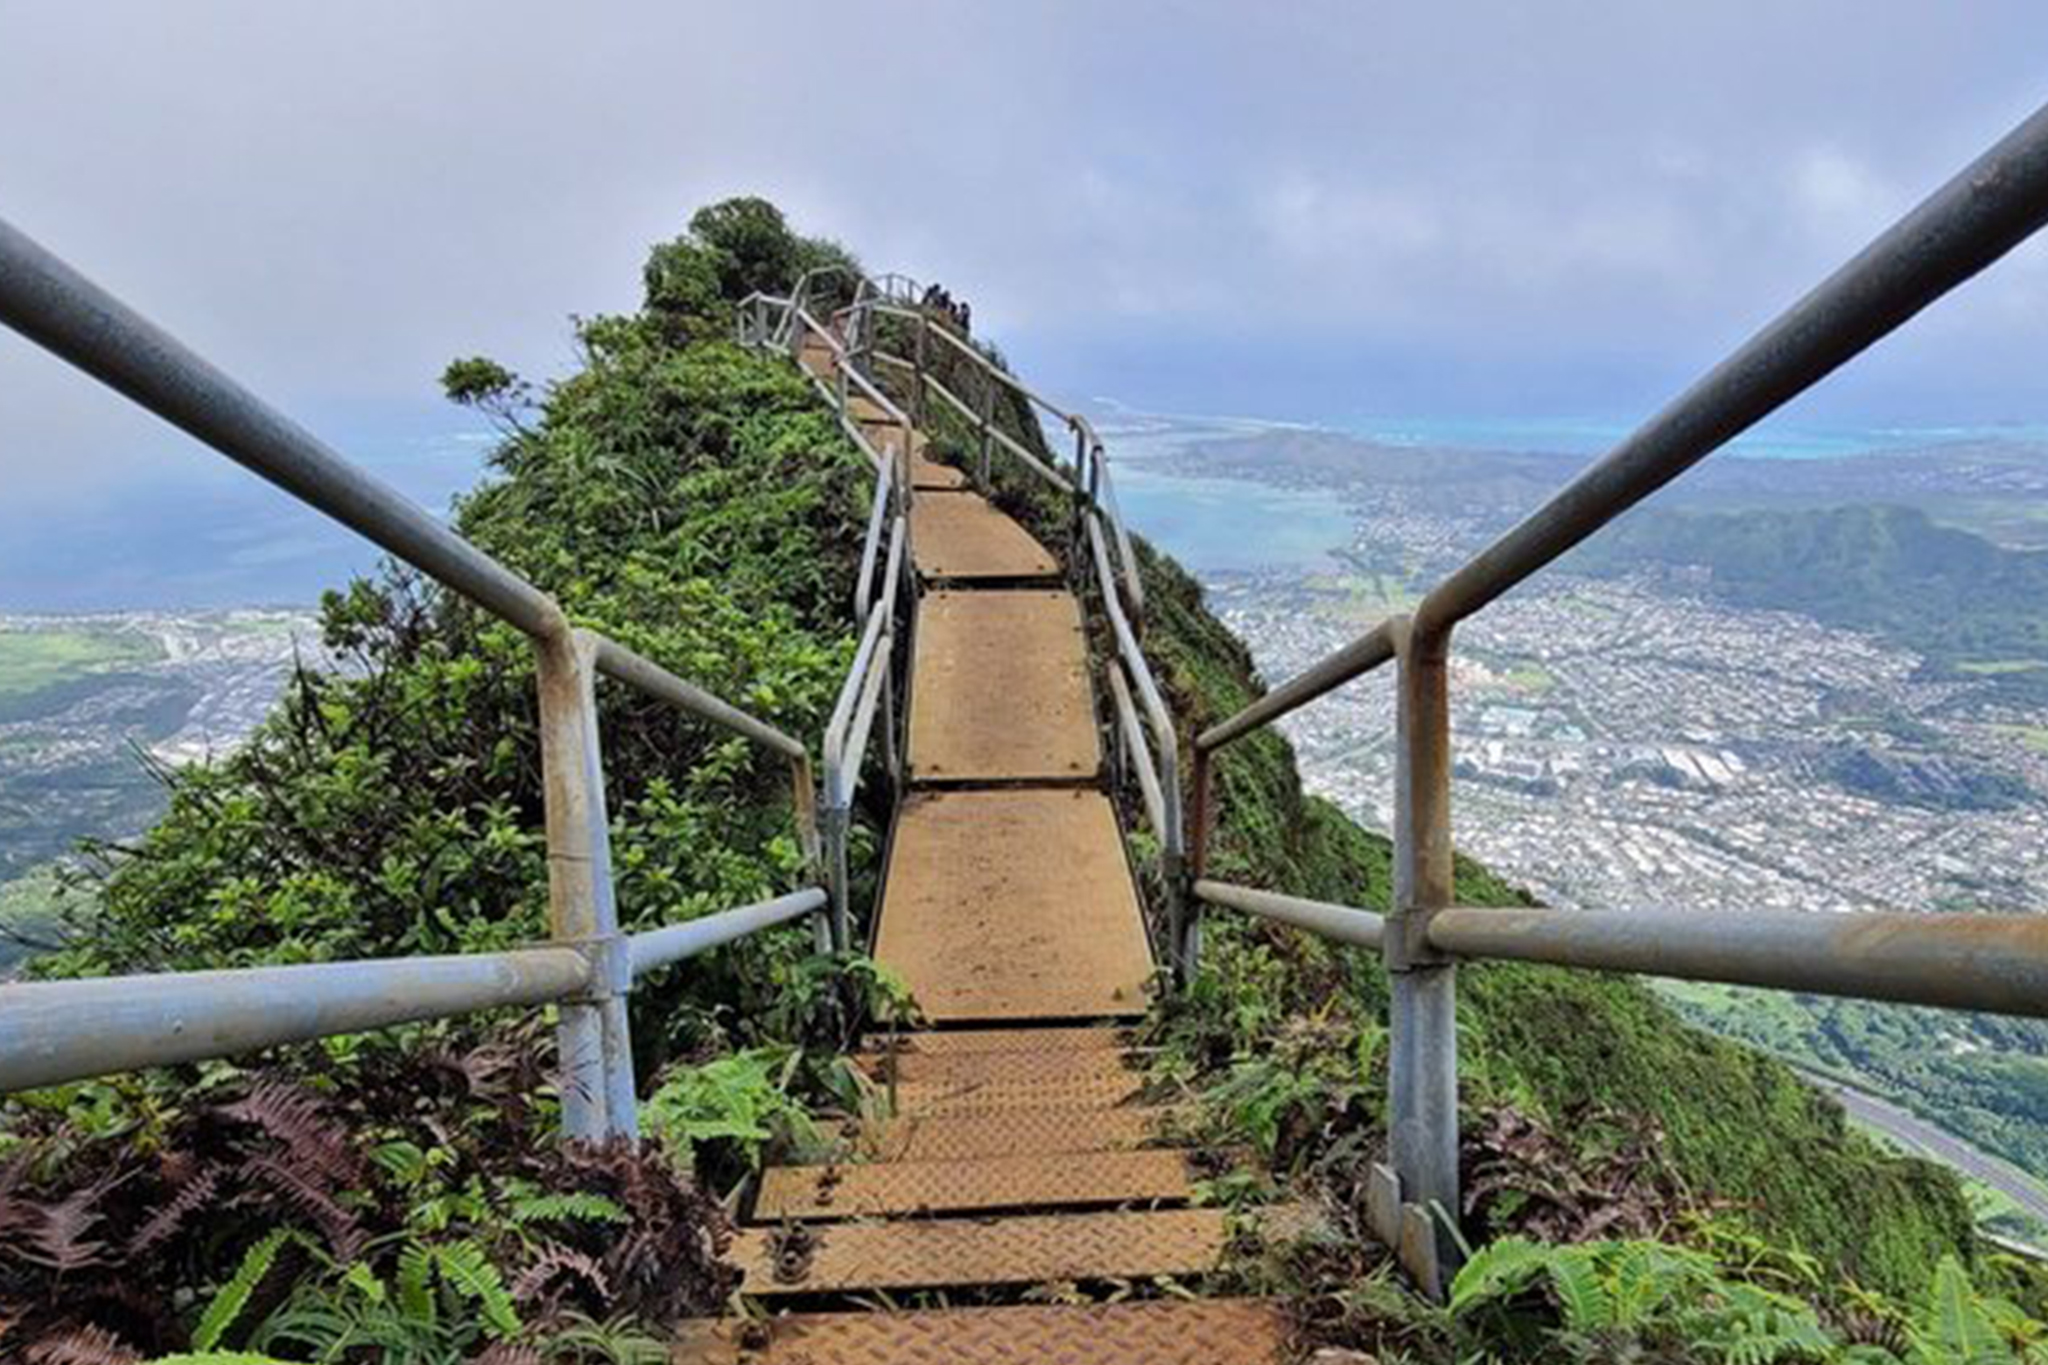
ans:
x=959 y=536
x=934 y=1253
x=984 y=922
x=1072 y=1179
x=983 y=1068
x=1001 y=689
x=957 y=1099
x=936 y=1041
x=1156 y=1332
x=1010 y=1132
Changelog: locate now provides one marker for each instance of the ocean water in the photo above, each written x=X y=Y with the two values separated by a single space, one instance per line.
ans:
x=1767 y=442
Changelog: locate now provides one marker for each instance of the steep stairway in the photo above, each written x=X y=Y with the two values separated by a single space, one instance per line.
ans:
x=1017 y=1147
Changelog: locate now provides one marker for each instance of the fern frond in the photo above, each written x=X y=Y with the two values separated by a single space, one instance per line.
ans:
x=233 y=1297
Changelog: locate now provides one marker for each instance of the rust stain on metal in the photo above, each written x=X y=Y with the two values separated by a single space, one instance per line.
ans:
x=1156 y=1332
x=960 y=536
x=983 y=1183
x=1002 y=689
x=1035 y=1249
x=1009 y=1132
x=984 y=923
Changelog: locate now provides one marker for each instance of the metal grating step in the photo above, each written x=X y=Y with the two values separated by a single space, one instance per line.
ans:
x=991 y=1067
x=1010 y=1132
x=979 y=1184
x=1003 y=1040
x=932 y=1254
x=960 y=536
x=1156 y=1332
x=939 y=1099
x=984 y=924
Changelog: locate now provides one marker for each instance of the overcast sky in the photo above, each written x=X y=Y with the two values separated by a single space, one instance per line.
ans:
x=1321 y=211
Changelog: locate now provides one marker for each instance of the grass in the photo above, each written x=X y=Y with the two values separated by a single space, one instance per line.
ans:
x=31 y=660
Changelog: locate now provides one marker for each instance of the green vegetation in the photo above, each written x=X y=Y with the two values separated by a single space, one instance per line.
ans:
x=1981 y=1076
x=690 y=499
x=31 y=660
x=1970 y=606
x=696 y=502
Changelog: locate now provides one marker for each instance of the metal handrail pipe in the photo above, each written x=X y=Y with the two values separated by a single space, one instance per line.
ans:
x=1338 y=923
x=617 y=662
x=1105 y=502
x=854 y=756
x=871 y=543
x=68 y=315
x=59 y=1031
x=967 y=349
x=1996 y=203
x=1141 y=752
x=1156 y=714
x=1038 y=466
x=850 y=691
x=671 y=943
x=1997 y=963
x=953 y=400
x=1369 y=651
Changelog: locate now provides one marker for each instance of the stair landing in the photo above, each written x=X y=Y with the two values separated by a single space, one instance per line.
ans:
x=1001 y=691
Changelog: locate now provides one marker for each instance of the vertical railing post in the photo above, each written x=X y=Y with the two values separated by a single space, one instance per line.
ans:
x=598 y=1100
x=835 y=824
x=1423 y=1053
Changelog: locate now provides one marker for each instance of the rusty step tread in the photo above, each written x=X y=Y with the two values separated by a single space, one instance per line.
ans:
x=978 y=1184
x=985 y=923
x=956 y=1099
x=996 y=1067
x=960 y=536
x=934 y=1253
x=1010 y=1132
x=935 y=1041
x=1000 y=689
x=1152 y=1332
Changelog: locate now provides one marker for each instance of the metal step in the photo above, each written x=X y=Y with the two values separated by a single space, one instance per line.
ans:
x=959 y=1099
x=1013 y=904
x=1001 y=689
x=1155 y=1332
x=978 y=1184
x=960 y=537
x=935 y=1042
x=990 y=1067
x=1009 y=1132
x=931 y=1254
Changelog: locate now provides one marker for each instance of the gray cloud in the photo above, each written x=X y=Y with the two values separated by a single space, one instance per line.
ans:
x=1319 y=206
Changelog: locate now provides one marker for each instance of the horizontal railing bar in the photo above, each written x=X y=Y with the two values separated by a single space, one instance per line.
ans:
x=952 y=399
x=1361 y=656
x=844 y=364
x=58 y=1031
x=672 y=943
x=1997 y=202
x=966 y=348
x=1997 y=963
x=65 y=313
x=1139 y=750
x=1341 y=923
x=1023 y=452
x=616 y=661
x=851 y=691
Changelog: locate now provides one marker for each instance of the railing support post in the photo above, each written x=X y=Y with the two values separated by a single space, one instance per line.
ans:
x=1423 y=1055
x=596 y=1045
x=837 y=821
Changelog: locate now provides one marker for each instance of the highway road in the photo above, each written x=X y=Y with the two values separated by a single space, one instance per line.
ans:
x=1922 y=1136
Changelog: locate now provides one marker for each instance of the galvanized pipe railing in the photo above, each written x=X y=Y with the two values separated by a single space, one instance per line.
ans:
x=155 y=1019
x=1997 y=963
